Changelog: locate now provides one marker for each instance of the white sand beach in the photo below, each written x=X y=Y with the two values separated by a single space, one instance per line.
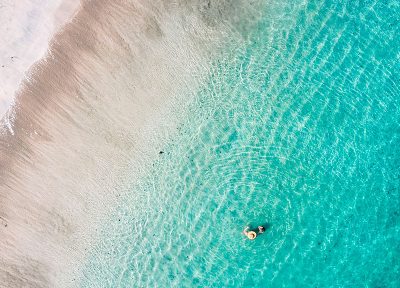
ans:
x=26 y=27
x=93 y=112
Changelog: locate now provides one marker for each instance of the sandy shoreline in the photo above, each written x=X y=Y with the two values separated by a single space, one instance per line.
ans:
x=26 y=27
x=107 y=96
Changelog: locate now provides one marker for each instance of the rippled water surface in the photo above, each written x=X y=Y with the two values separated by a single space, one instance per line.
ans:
x=298 y=128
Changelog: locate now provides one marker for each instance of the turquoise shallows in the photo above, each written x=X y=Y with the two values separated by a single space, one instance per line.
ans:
x=298 y=127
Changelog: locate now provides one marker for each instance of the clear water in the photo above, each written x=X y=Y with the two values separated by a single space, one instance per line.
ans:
x=298 y=127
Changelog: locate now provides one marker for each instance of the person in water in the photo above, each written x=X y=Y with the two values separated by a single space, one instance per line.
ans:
x=250 y=234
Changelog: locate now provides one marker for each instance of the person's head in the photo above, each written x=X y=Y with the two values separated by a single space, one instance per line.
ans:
x=251 y=235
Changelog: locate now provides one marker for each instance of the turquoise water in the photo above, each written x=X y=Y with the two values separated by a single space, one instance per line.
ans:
x=298 y=128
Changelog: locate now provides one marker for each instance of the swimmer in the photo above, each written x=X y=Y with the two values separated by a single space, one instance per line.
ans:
x=261 y=229
x=250 y=234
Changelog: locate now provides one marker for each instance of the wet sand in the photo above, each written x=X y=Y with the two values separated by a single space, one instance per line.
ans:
x=91 y=118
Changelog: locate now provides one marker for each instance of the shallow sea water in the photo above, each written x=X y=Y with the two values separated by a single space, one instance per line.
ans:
x=298 y=128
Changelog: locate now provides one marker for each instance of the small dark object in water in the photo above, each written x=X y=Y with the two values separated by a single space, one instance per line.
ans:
x=161 y=152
